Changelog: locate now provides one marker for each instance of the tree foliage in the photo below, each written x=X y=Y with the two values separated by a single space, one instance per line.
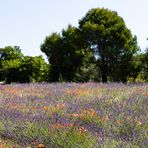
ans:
x=101 y=48
x=15 y=67
x=10 y=53
x=111 y=40
x=101 y=31
x=64 y=52
x=10 y=58
x=144 y=71
x=33 y=69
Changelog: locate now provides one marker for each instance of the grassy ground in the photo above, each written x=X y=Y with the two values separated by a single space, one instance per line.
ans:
x=74 y=115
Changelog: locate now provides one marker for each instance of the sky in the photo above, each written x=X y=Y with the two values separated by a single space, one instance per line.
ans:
x=26 y=23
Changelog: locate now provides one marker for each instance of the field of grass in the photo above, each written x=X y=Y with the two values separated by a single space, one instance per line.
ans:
x=70 y=115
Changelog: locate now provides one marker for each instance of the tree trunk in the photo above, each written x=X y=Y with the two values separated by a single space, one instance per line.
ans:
x=103 y=73
x=103 y=67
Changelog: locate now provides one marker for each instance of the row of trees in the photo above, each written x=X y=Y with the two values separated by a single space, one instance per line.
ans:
x=15 y=67
x=101 y=48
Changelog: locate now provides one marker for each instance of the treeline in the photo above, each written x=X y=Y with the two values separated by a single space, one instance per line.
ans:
x=100 y=49
x=15 y=67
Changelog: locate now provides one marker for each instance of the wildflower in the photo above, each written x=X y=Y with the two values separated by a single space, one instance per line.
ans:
x=2 y=146
x=68 y=125
x=146 y=94
x=75 y=115
x=35 y=108
x=60 y=106
x=63 y=105
x=41 y=146
x=90 y=112
x=45 y=108
x=82 y=130
x=58 y=126
x=119 y=122
x=105 y=118
x=128 y=118
x=138 y=123
x=98 y=136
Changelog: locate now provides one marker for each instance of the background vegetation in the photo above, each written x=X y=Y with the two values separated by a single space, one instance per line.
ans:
x=101 y=48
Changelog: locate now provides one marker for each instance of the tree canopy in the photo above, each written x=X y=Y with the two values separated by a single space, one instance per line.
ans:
x=101 y=31
x=101 y=48
x=111 y=41
x=10 y=53
x=64 y=52
x=15 y=67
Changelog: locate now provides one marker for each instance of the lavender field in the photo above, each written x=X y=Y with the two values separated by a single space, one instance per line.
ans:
x=72 y=115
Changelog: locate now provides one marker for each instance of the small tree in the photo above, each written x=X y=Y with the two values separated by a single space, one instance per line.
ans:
x=33 y=69
x=10 y=58
x=10 y=70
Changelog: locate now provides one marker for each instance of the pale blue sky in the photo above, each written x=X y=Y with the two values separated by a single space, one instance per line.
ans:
x=26 y=23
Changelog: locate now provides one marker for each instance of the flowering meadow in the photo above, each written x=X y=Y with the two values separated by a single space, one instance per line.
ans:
x=74 y=115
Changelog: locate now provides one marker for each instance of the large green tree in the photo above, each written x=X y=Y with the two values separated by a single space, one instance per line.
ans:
x=64 y=52
x=112 y=42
